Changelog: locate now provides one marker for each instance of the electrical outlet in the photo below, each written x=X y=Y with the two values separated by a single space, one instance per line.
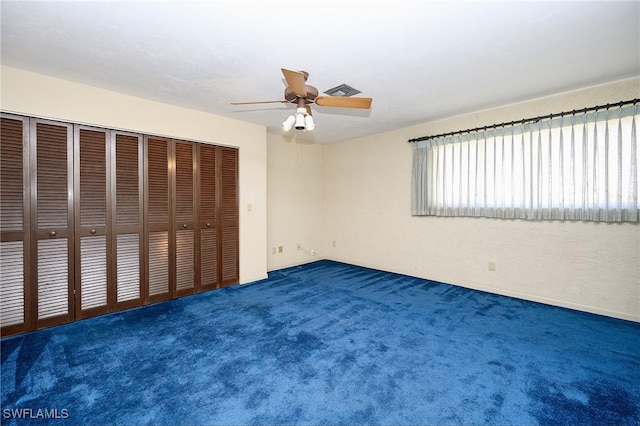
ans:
x=273 y=250
x=492 y=265
x=280 y=249
x=333 y=243
x=299 y=248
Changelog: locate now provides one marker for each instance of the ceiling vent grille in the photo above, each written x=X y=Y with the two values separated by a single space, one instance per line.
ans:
x=342 y=90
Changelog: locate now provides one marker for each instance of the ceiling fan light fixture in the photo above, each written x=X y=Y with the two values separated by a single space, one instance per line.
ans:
x=288 y=123
x=300 y=121
x=309 y=124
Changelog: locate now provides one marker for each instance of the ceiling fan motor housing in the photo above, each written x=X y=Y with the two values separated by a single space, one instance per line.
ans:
x=311 y=95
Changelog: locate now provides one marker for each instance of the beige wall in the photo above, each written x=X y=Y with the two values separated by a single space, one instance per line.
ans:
x=367 y=200
x=37 y=95
x=294 y=202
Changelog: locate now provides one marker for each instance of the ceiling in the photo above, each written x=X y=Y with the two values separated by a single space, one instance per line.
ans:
x=418 y=60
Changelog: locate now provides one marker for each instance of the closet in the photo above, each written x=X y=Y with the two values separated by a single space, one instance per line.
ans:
x=96 y=220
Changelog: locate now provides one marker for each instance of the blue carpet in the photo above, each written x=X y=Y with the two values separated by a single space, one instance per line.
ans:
x=329 y=343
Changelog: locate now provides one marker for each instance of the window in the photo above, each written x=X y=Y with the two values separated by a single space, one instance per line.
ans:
x=574 y=167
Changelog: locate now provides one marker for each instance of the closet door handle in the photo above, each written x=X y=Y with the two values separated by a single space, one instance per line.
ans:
x=184 y=226
x=53 y=233
x=208 y=225
x=93 y=231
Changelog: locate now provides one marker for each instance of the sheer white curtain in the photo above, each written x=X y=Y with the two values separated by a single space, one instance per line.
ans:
x=575 y=167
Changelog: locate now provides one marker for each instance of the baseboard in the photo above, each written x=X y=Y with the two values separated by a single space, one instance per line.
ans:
x=556 y=302
x=254 y=279
x=519 y=295
x=292 y=265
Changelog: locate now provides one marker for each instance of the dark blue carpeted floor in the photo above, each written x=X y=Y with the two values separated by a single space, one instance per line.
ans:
x=329 y=343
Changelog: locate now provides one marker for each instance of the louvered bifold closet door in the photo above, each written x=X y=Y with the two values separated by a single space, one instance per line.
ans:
x=91 y=206
x=184 y=217
x=14 y=225
x=52 y=248
x=228 y=216
x=208 y=238
x=127 y=225
x=158 y=238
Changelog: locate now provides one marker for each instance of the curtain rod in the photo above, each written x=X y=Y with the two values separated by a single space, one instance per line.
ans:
x=528 y=120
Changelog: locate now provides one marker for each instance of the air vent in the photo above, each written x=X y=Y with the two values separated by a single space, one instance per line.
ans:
x=342 y=90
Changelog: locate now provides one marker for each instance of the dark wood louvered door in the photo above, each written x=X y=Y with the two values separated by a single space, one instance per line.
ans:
x=127 y=224
x=37 y=224
x=184 y=221
x=228 y=238
x=207 y=259
x=159 y=240
x=108 y=218
x=96 y=220
x=92 y=202
x=192 y=217
x=15 y=292
x=52 y=230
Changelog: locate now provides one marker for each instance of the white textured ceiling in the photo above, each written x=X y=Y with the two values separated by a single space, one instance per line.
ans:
x=418 y=60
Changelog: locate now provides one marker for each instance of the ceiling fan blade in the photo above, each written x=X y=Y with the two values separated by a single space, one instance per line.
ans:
x=296 y=82
x=258 y=102
x=343 y=102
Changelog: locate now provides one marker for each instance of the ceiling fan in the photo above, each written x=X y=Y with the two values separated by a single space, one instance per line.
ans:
x=301 y=94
